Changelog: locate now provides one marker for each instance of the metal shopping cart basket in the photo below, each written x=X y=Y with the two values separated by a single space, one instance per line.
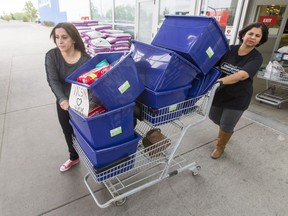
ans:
x=275 y=92
x=150 y=165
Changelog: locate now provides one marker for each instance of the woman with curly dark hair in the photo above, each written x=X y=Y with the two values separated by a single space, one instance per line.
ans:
x=60 y=61
x=238 y=67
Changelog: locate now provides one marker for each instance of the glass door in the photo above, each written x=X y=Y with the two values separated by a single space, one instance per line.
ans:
x=144 y=20
x=151 y=13
x=275 y=17
x=228 y=13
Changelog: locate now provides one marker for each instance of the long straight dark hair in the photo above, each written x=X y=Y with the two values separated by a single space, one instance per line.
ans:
x=72 y=32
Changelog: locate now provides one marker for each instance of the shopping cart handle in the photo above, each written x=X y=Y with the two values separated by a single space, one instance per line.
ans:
x=218 y=85
x=110 y=165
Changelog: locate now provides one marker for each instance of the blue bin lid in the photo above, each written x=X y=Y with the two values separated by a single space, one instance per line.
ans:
x=185 y=30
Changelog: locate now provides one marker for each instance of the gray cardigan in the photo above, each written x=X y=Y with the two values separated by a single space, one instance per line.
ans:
x=57 y=70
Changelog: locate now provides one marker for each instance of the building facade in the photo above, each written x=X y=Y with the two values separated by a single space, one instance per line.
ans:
x=56 y=11
x=143 y=18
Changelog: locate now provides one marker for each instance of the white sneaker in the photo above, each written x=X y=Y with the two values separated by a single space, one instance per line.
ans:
x=68 y=164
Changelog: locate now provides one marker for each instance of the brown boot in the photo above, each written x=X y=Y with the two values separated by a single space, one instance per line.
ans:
x=223 y=139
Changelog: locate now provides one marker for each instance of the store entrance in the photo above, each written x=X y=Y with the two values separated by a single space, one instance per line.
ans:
x=275 y=17
x=270 y=86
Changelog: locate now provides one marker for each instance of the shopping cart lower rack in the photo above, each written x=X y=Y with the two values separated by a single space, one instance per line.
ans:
x=276 y=92
x=150 y=165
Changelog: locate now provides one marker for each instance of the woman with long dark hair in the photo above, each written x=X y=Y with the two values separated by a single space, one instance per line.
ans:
x=60 y=61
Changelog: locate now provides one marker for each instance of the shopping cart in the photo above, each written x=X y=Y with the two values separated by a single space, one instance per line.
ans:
x=150 y=165
x=276 y=83
x=276 y=89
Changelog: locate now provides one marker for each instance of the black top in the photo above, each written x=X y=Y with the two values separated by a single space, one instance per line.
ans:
x=57 y=69
x=237 y=96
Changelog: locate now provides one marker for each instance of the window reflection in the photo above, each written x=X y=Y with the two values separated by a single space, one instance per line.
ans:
x=223 y=11
x=101 y=10
x=145 y=18
x=173 y=7
x=125 y=11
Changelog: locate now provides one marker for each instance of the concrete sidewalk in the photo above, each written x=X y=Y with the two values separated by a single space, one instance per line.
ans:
x=251 y=179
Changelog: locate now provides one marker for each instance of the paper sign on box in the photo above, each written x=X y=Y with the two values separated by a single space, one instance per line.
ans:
x=79 y=100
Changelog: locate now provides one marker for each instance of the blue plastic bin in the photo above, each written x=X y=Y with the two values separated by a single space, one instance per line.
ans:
x=106 y=129
x=162 y=99
x=200 y=86
x=197 y=38
x=123 y=165
x=202 y=83
x=162 y=116
x=120 y=86
x=104 y=157
x=162 y=69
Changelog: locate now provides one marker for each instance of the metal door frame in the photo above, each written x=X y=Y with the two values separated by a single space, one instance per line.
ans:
x=154 y=17
x=285 y=17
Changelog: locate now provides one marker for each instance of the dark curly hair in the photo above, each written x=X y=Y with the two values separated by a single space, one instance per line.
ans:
x=72 y=32
x=260 y=25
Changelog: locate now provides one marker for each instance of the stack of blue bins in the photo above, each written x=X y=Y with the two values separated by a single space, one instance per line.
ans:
x=167 y=78
x=109 y=139
x=178 y=65
x=201 y=41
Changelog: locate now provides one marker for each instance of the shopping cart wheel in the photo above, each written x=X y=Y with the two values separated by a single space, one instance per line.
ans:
x=120 y=202
x=195 y=170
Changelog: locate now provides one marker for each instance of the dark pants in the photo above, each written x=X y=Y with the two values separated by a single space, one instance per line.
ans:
x=225 y=118
x=63 y=117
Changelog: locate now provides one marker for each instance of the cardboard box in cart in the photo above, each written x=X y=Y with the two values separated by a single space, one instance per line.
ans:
x=199 y=39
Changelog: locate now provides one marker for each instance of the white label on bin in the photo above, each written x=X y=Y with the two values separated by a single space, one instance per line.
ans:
x=124 y=87
x=116 y=131
x=209 y=52
x=172 y=107
x=78 y=99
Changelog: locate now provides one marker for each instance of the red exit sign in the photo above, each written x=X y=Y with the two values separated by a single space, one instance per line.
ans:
x=85 y=18
x=268 y=20
x=220 y=16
